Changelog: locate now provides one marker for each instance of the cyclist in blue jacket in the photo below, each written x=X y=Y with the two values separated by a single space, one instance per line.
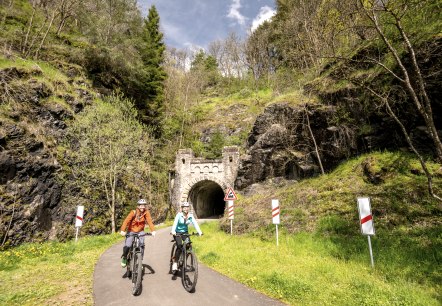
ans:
x=180 y=226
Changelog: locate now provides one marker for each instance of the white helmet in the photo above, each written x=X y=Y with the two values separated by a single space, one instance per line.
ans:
x=185 y=204
x=142 y=202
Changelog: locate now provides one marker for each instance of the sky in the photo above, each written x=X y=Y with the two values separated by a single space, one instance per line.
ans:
x=189 y=24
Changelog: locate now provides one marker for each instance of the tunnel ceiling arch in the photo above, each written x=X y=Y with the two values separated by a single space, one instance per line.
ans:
x=207 y=198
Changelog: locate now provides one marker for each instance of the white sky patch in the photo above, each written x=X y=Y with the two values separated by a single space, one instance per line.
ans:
x=265 y=13
x=234 y=12
x=175 y=33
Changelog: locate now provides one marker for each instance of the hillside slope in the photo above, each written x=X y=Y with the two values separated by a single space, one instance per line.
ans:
x=37 y=102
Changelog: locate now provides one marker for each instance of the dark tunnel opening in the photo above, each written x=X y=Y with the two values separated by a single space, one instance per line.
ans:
x=207 y=198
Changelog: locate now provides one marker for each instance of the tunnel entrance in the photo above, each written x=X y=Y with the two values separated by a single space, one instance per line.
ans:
x=207 y=198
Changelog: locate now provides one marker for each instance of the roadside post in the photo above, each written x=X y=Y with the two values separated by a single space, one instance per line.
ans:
x=231 y=215
x=230 y=197
x=275 y=217
x=366 y=222
x=79 y=220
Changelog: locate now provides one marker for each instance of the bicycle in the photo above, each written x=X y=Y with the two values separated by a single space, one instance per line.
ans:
x=187 y=263
x=135 y=262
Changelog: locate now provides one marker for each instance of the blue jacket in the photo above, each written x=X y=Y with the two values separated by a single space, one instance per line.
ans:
x=180 y=226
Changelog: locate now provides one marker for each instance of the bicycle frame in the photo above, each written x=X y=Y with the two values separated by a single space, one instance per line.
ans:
x=135 y=262
x=187 y=262
x=135 y=247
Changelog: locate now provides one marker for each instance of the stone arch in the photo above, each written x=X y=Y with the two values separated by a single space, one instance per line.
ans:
x=206 y=194
x=203 y=181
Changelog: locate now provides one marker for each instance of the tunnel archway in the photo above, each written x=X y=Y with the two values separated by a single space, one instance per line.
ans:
x=207 y=198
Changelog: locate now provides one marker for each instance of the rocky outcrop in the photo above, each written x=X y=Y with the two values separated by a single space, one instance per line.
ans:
x=282 y=144
x=295 y=142
x=349 y=121
x=32 y=125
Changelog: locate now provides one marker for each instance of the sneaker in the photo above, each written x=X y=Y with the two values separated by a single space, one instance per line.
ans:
x=123 y=262
x=174 y=266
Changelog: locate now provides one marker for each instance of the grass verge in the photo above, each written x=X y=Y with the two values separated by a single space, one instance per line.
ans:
x=308 y=269
x=51 y=273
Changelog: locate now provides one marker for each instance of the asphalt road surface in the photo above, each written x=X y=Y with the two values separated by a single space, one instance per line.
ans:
x=160 y=288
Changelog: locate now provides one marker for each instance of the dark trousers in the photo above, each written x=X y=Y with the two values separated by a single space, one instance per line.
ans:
x=128 y=244
x=179 y=244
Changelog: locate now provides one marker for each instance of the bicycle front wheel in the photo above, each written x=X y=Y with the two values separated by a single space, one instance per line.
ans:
x=172 y=255
x=189 y=271
x=137 y=274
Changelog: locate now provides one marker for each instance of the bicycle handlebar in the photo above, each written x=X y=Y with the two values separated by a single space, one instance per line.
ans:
x=139 y=235
x=186 y=234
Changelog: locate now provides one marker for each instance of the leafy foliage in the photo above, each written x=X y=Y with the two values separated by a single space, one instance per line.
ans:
x=108 y=142
x=206 y=68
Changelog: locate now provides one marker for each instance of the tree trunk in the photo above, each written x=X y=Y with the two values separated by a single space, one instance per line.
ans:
x=314 y=140
x=34 y=38
x=113 y=204
x=410 y=143
x=23 y=49
x=46 y=34
x=61 y=25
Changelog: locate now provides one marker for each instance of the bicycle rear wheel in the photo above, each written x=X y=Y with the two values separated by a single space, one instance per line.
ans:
x=189 y=271
x=137 y=273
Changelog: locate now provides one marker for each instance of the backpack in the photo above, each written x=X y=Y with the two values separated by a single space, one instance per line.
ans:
x=135 y=214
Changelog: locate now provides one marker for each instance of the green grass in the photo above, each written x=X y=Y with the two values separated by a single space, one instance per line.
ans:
x=51 y=273
x=310 y=269
x=400 y=198
x=322 y=258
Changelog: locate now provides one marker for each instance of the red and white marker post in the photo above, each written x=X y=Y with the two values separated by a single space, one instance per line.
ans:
x=231 y=215
x=230 y=197
x=275 y=217
x=79 y=220
x=366 y=222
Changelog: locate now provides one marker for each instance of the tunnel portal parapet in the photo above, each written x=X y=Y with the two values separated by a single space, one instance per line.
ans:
x=192 y=174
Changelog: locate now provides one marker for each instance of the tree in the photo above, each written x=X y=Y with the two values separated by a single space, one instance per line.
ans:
x=205 y=68
x=67 y=9
x=108 y=22
x=152 y=54
x=390 y=20
x=257 y=52
x=377 y=51
x=182 y=90
x=109 y=142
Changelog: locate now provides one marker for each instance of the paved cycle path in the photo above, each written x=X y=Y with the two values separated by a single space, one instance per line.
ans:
x=159 y=287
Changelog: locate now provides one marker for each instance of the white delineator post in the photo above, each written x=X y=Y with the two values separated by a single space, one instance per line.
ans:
x=79 y=220
x=366 y=222
x=231 y=215
x=230 y=196
x=275 y=217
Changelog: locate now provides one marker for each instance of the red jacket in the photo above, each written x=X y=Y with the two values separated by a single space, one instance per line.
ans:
x=136 y=221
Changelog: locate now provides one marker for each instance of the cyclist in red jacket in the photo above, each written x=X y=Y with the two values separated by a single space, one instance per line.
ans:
x=135 y=222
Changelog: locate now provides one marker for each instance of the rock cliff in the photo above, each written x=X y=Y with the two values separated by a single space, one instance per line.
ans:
x=33 y=119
